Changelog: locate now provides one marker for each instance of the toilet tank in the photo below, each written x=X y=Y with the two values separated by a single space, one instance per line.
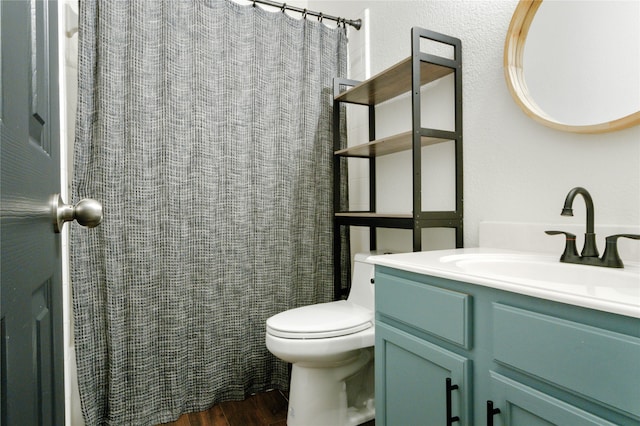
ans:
x=362 y=288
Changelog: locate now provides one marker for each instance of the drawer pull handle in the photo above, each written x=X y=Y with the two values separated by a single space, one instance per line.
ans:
x=450 y=419
x=491 y=412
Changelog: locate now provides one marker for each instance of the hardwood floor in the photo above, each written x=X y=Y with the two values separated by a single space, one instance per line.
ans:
x=263 y=409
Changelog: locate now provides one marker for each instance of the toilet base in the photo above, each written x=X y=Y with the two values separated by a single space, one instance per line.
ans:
x=319 y=395
x=358 y=416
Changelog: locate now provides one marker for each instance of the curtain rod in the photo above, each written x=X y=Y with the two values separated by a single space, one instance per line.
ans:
x=283 y=6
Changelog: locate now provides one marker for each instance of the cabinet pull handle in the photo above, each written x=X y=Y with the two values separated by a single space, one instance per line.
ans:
x=450 y=419
x=491 y=412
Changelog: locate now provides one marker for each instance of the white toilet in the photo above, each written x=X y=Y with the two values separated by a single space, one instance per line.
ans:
x=331 y=348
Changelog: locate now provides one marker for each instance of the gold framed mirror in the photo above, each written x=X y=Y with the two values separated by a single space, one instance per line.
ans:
x=514 y=61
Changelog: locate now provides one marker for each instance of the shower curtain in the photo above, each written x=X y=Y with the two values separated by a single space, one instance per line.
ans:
x=204 y=128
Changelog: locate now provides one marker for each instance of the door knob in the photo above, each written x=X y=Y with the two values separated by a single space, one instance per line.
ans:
x=87 y=212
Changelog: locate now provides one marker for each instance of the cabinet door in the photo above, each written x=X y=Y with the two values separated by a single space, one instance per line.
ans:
x=521 y=405
x=411 y=377
x=592 y=362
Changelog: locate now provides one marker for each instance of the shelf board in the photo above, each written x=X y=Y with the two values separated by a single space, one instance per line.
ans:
x=375 y=215
x=392 y=82
x=393 y=144
x=429 y=219
x=426 y=215
x=388 y=220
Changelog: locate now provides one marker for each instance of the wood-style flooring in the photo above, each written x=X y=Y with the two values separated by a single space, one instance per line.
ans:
x=263 y=409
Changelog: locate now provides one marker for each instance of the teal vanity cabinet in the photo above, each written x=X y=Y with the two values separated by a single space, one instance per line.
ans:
x=454 y=353
x=419 y=381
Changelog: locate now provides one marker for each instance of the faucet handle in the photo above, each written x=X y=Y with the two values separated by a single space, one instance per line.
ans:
x=611 y=258
x=570 y=250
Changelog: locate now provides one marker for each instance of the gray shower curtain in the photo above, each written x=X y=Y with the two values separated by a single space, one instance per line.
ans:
x=204 y=128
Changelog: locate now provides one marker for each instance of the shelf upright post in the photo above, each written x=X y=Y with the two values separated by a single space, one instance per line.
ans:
x=416 y=137
x=373 y=233
x=337 y=193
x=337 y=240
x=457 y=46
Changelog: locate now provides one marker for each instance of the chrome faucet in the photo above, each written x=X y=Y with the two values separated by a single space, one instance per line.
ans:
x=589 y=255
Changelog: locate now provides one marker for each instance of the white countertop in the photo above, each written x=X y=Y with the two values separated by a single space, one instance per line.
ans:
x=533 y=274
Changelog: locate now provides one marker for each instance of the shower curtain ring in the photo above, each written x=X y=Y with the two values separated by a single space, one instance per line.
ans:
x=304 y=14
x=284 y=7
x=320 y=17
x=254 y=3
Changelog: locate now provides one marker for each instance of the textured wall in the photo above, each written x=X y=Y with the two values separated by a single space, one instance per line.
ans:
x=515 y=170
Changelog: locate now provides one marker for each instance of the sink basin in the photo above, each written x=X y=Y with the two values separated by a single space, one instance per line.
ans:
x=548 y=272
x=538 y=275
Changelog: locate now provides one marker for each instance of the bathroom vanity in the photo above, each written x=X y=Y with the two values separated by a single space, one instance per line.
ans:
x=471 y=337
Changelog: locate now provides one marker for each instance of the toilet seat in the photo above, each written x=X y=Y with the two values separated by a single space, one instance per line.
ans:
x=320 y=321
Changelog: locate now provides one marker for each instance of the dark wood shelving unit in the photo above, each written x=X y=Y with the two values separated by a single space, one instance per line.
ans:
x=393 y=144
x=396 y=80
x=408 y=75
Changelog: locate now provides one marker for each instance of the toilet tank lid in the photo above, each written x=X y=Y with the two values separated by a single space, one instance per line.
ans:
x=323 y=319
x=364 y=257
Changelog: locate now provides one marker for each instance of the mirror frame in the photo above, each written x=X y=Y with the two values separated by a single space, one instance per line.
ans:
x=514 y=75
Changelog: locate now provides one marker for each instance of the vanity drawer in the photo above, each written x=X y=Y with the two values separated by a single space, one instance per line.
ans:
x=596 y=363
x=437 y=311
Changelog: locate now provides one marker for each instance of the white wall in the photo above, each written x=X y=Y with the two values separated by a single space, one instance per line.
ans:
x=68 y=43
x=515 y=170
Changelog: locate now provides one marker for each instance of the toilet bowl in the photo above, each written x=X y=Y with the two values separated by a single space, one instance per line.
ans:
x=330 y=347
